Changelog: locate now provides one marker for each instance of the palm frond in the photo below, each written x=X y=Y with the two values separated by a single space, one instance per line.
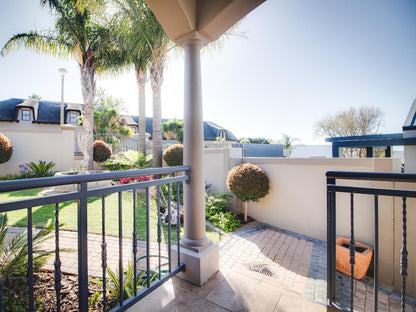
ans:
x=36 y=42
x=3 y=228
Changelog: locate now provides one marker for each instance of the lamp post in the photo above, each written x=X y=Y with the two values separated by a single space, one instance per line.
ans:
x=62 y=72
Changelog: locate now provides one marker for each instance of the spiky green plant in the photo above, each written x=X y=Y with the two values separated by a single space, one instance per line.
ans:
x=42 y=169
x=113 y=283
x=14 y=264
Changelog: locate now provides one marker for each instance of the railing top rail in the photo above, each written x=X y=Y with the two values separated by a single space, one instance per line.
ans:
x=373 y=176
x=16 y=185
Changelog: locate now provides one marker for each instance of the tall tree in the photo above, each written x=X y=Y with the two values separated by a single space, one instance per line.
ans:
x=76 y=34
x=352 y=122
x=159 y=42
x=132 y=33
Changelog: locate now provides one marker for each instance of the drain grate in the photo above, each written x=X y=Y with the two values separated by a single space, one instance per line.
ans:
x=261 y=268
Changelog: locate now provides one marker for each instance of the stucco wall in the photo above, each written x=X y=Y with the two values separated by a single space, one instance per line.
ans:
x=34 y=142
x=297 y=202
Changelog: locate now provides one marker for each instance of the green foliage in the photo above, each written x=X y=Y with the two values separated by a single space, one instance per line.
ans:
x=111 y=139
x=215 y=212
x=42 y=169
x=226 y=221
x=173 y=156
x=102 y=151
x=113 y=283
x=173 y=130
x=255 y=140
x=127 y=160
x=9 y=177
x=14 y=264
x=107 y=116
x=35 y=96
x=173 y=192
x=125 y=131
x=216 y=203
x=105 y=120
x=248 y=182
x=287 y=141
x=6 y=149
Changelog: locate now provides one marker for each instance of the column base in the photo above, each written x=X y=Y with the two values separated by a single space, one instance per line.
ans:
x=199 y=266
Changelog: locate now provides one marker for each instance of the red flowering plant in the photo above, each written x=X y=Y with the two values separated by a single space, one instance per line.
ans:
x=134 y=179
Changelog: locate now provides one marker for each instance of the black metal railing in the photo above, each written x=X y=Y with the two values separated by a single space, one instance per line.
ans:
x=81 y=196
x=119 y=143
x=332 y=189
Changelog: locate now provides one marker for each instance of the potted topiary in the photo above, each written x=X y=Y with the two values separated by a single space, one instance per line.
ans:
x=6 y=149
x=248 y=183
x=102 y=151
x=173 y=156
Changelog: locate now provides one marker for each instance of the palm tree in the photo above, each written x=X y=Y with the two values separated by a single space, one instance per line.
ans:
x=146 y=45
x=78 y=35
x=131 y=34
x=287 y=142
x=160 y=45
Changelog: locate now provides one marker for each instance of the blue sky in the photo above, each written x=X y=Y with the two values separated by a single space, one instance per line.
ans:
x=300 y=60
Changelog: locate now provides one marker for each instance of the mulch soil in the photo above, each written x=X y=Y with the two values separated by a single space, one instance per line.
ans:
x=45 y=293
x=241 y=218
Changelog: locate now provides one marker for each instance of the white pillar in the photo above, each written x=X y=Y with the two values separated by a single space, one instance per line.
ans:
x=62 y=72
x=200 y=255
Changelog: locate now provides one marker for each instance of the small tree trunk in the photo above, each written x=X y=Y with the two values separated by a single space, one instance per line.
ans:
x=156 y=79
x=245 y=210
x=141 y=77
x=88 y=93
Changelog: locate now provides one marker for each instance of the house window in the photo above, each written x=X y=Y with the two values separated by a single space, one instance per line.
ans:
x=222 y=134
x=26 y=115
x=72 y=117
x=133 y=129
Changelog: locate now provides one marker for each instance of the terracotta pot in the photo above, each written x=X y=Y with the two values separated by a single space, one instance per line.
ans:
x=363 y=256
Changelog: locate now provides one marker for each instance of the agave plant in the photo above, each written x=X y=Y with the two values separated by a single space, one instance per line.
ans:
x=14 y=263
x=42 y=169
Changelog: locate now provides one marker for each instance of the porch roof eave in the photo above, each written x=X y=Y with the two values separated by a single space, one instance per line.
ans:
x=204 y=20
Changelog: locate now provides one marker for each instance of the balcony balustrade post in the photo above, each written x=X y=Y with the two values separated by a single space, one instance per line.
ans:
x=83 y=247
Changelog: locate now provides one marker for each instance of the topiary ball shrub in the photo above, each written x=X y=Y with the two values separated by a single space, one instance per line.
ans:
x=173 y=156
x=102 y=151
x=248 y=182
x=6 y=149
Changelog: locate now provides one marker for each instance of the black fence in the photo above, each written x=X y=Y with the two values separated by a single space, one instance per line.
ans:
x=332 y=189
x=119 y=143
x=82 y=195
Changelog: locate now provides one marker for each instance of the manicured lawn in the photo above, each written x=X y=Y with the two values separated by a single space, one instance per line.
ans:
x=68 y=215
